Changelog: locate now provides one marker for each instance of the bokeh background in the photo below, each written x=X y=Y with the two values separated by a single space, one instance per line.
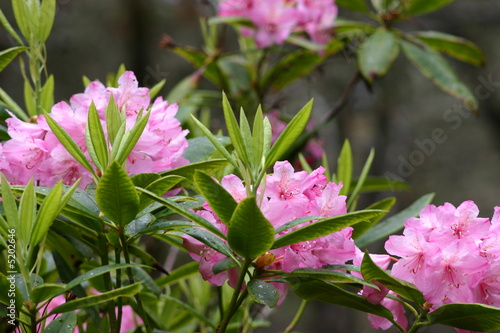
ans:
x=397 y=116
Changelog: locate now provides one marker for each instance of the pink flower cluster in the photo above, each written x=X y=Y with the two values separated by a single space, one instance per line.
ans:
x=287 y=196
x=275 y=20
x=34 y=151
x=450 y=254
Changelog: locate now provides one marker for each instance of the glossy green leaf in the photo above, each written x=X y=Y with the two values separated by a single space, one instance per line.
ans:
x=9 y=204
x=9 y=29
x=22 y=15
x=195 y=313
x=353 y=29
x=328 y=275
x=187 y=171
x=116 y=195
x=355 y=5
x=27 y=213
x=467 y=316
x=296 y=222
x=418 y=7
x=49 y=210
x=44 y=292
x=209 y=239
x=224 y=265
x=380 y=184
x=394 y=223
x=29 y=99
x=221 y=202
x=96 y=140
x=329 y=293
x=249 y=233
x=263 y=292
x=456 y=47
x=68 y=143
x=258 y=138
x=6 y=56
x=361 y=180
x=160 y=187
x=65 y=323
x=129 y=139
x=371 y=272
x=184 y=212
x=433 y=66
x=234 y=130
x=344 y=168
x=292 y=131
x=200 y=148
x=80 y=303
x=12 y=105
x=114 y=119
x=179 y=273
x=47 y=14
x=47 y=95
x=377 y=54
x=384 y=204
x=325 y=227
x=166 y=225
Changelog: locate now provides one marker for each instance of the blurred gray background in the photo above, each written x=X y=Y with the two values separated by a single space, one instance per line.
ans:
x=397 y=116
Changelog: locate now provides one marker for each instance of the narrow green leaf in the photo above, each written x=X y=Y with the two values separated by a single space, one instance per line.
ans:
x=187 y=171
x=467 y=316
x=96 y=140
x=156 y=89
x=258 y=137
x=329 y=293
x=224 y=265
x=6 y=56
x=456 y=47
x=384 y=204
x=27 y=213
x=394 y=223
x=29 y=99
x=47 y=14
x=65 y=323
x=361 y=179
x=433 y=66
x=140 y=275
x=47 y=95
x=296 y=222
x=68 y=143
x=130 y=139
x=217 y=197
x=12 y=105
x=263 y=292
x=116 y=195
x=344 y=168
x=114 y=119
x=354 y=5
x=9 y=204
x=182 y=272
x=160 y=187
x=84 y=302
x=325 y=227
x=233 y=130
x=293 y=130
x=184 y=212
x=246 y=135
x=371 y=272
x=21 y=13
x=47 y=214
x=249 y=233
x=209 y=239
x=201 y=148
x=304 y=164
x=418 y=7
x=377 y=54
x=8 y=27
x=191 y=310
x=44 y=292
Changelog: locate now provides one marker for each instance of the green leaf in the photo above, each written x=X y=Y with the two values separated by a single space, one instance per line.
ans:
x=249 y=233
x=9 y=204
x=200 y=148
x=380 y=184
x=456 y=47
x=394 y=223
x=84 y=302
x=44 y=292
x=209 y=239
x=29 y=99
x=433 y=66
x=22 y=15
x=297 y=221
x=221 y=202
x=418 y=7
x=371 y=272
x=344 y=168
x=467 y=316
x=361 y=180
x=263 y=292
x=325 y=227
x=65 y=323
x=9 y=28
x=116 y=195
x=293 y=130
x=258 y=138
x=114 y=119
x=354 y=5
x=224 y=265
x=47 y=14
x=179 y=273
x=68 y=143
x=384 y=204
x=234 y=130
x=47 y=95
x=27 y=213
x=184 y=212
x=187 y=171
x=329 y=293
x=6 y=56
x=49 y=210
x=377 y=54
x=156 y=89
x=96 y=140
x=328 y=275
x=129 y=139
x=159 y=186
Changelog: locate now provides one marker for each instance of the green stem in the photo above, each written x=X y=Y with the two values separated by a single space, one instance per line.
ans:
x=419 y=322
x=118 y=324
x=140 y=307
x=297 y=317
x=233 y=306
x=107 y=281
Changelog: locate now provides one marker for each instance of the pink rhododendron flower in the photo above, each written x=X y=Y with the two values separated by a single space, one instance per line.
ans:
x=450 y=254
x=288 y=195
x=35 y=152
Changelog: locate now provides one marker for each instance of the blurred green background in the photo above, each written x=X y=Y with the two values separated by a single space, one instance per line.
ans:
x=397 y=116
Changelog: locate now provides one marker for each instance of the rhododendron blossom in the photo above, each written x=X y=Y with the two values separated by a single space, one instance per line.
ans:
x=450 y=255
x=275 y=20
x=35 y=152
x=288 y=195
